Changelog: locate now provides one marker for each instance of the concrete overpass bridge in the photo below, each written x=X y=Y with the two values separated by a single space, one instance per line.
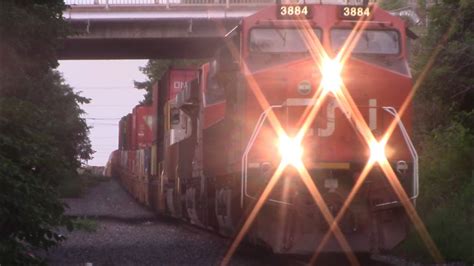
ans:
x=141 y=29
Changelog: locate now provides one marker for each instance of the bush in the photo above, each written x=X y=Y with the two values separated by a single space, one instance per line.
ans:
x=42 y=136
x=444 y=125
x=446 y=193
x=445 y=164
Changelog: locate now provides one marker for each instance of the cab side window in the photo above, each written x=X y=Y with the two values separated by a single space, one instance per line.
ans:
x=222 y=69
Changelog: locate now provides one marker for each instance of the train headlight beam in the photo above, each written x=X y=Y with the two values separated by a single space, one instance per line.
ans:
x=290 y=150
x=377 y=151
x=331 y=74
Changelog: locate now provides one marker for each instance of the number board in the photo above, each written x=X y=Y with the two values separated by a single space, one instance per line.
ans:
x=294 y=12
x=355 y=12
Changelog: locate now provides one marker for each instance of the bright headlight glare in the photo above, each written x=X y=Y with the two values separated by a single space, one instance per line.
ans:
x=377 y=151
x=290 y=150
x=331 y=74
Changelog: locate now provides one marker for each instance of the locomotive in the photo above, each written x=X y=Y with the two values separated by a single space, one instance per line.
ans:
x=206 y=147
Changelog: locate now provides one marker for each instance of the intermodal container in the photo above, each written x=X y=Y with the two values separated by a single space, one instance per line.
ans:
x=128 y=132
x=142 y=126
x=154 y=112
x=177 y=79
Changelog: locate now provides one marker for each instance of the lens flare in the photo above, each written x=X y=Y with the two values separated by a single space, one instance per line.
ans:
x=331 y=72
x=290 y=150
x=377 y=151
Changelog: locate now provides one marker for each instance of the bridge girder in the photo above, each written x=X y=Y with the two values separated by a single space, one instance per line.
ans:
x=145 y=38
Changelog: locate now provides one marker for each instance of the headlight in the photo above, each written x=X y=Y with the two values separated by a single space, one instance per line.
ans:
x=377 y=151
x=290 y=150
x=331 y=72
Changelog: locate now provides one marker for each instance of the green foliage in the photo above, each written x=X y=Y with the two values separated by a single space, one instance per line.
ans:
x=29 y=209
x=71 y=187
x=450 y=226
x=447 y=190
x=42 y=137
x=74 y=187
x=392 y=4
x=448 y=89
x=154 y=69
x=446 y=164
x=29 y=32
x=444 y=127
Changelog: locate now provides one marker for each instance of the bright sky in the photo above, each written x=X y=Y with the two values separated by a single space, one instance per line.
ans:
x=109 y=85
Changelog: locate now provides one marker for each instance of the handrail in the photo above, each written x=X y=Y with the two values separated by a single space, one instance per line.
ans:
x=263 y=116
x=290 y=102
x=391 y=110
x=244 y=171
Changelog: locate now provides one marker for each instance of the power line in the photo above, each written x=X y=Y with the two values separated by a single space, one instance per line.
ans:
x=103 y=87
x=87 y=105
x=102 y=118
x=122 y=88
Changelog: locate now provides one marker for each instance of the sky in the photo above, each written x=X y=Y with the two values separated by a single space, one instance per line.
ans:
x=109 y=85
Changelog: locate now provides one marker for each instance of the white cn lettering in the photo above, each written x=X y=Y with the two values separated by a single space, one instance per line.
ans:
x=331 y=120
x=373 y=114
x=180 y=85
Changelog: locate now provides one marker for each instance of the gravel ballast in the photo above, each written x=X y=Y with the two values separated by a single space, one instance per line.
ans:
x=130 y=234
x=127 y=233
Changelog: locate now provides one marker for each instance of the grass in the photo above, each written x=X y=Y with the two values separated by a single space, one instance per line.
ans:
x=71 y=187
x=85 y=224
x=446 y=197
x=451 y=228
x=75 y=187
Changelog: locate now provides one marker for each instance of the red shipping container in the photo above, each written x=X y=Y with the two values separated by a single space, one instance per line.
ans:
x=176 y=79
x=133 y=136
x=122 y=133
x=142 y=127
x=170 y=84
x=128 y=132
x=154 y=112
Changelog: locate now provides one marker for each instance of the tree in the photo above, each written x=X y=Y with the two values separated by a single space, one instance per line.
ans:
x=42 y=137
x=392 y=4
x=444 y=124
x=448 y=89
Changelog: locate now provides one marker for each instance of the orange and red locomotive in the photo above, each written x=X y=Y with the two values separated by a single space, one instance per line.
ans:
x=212 y=146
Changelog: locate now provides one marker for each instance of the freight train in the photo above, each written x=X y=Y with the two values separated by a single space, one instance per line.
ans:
x=206 y=147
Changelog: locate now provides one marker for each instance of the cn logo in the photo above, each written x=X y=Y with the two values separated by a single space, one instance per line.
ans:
x=331 y=117
x=180 y=85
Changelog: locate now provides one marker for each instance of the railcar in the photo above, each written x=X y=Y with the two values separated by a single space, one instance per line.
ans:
x=213 y=148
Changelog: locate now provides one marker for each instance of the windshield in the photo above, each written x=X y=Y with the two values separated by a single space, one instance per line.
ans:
x=370 y=42
x=274 y=40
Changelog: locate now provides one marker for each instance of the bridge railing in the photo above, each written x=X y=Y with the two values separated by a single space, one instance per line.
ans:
x=167 y=3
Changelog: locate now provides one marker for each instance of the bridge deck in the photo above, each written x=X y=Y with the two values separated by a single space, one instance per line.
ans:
x=121 y=29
